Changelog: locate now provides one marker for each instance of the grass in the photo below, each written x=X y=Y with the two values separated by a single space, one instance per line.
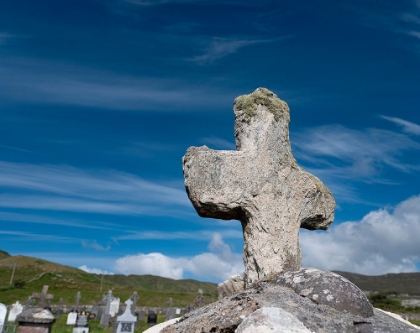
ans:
x=415 y=322
x=65 y=281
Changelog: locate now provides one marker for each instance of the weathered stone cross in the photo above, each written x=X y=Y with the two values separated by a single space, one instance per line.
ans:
x=260 y=185
x=78 y=297
x=43 y=296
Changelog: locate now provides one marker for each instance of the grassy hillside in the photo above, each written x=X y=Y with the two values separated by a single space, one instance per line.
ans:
x=4 y=254
x=65 y=281
x=401 y=283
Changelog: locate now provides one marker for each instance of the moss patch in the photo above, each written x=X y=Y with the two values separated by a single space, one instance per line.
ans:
x=248 y=104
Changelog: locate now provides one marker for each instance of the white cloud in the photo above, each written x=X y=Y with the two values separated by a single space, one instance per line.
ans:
x=95 y=245
x=218 y=264
x=95 y=270
x=221 y=47
x=66 y=188
x=383 y=241
x=407 y=126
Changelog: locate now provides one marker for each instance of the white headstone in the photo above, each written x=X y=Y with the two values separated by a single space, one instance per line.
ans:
x=3 y=312
x=15 y=310
x=71 y=318
x=115 y=307
x=125 y=322
x=178 y=311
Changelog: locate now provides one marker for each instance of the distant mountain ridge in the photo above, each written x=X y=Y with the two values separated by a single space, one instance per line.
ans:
x=65 y=281
x=401 y=283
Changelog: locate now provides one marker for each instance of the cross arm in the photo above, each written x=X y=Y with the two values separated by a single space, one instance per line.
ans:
x=213 y=182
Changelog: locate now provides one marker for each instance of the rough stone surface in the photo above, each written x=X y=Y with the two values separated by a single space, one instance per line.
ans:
x=225 y=315
x=327 y=288
x=260 y=185
x=270 y=319
x=36 y=315
x=231 y=286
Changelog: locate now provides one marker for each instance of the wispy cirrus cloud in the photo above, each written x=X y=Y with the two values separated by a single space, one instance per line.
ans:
x=340 y=156
x=207 y=2
x=187 y=235
x=407 y=126
x=221 y=47
x=5 y=37
x=95 y=245
x=65 y=188
x=29 y=80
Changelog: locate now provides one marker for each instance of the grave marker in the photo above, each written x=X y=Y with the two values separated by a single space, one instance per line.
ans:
x=42 y=296
x=3 y=313
x=261 y=185
x=71 y=318
x=15 y=310
x=151 y=318
x=126 y=322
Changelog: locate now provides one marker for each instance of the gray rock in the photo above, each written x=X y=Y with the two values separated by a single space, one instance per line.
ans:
x=260 y=185
x=327 y=288
x=231 y=286
x=269 y=320
x=227 y=314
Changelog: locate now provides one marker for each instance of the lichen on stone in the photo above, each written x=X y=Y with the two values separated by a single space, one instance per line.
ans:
x=248 y=104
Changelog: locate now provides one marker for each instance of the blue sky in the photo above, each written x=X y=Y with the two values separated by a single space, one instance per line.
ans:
x=99 y=100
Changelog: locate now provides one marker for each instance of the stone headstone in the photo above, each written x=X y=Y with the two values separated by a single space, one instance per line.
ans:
x=134 y=298
x=35 y=320
x=106 y=314
x=78 y=297
x=199 y=300
x=82 y=323
x=43 y=296
x=114 y=307
x=95 y=311
x=71 y=318
x=28 y=304
x=170 y=314
x=126 y=322
x=3 y=313
x=14 y=311
x=178 y=311
x=261 y=185
x=151 y=318
x=140 y=316
x=59 y=310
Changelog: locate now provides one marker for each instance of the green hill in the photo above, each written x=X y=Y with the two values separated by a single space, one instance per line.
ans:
x=4 y=254
x=401 y=283
x=65 y=281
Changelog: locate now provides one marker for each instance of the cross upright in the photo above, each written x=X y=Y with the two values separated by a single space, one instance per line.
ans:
x=43 y=296
x=78 y=297
x=261 y=185
x=134 y=299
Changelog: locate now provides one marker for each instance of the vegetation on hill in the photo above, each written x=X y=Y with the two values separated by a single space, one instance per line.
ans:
x=65 y=281
x=4 y=254
x=401 y=283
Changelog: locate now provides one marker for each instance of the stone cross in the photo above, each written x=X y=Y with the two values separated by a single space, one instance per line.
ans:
x=43 y=296
x=134 y=298
x=261 y=185
x=78 y=297
x=106 y=315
